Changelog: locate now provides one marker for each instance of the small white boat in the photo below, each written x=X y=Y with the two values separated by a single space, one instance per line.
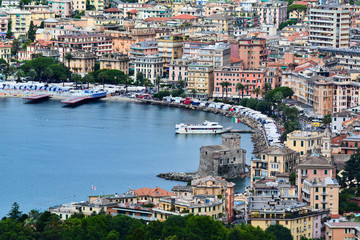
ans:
x=205 y=128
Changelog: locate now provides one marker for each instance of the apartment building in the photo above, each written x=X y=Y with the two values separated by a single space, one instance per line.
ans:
x=350 y=144
x=251 y=79
x=309 y=142
x=116 y=61
x=170 y=48
x=347 y=58
x=200 y=79
x=82 y=62
x=62 y=8
x=143 y=48
x=155 y=11
x=273 y=161
x=191 y=48
x=79 y=5
x=342 y=230
x=253 y=52
x=123 y=40
x=178 y=69
x=226 y=21
x=151 y=66
x=272 y=12
x=96 y=43
x=4 y=21
x=329 y=26
x=217 y=55
x=98 y=4
x=20 y=21
x=176 y=5
x=273 y=187
x=299 y=218
x=338 y=118
x=321 y=194
x=5 y=51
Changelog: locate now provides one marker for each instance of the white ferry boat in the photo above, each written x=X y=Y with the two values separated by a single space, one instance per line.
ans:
x=205 y=128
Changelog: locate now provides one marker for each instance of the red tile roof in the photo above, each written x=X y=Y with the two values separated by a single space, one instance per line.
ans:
x=184 y=17
x=4 y=45
x=234 y=60
x=112 y=10
x=153 y=192
x=133 y=11
x=156 y=19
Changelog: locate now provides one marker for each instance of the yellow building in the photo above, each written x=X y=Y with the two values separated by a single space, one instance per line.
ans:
x=176 y=5
x=36 y=15
x=208 y=206
x=170 y=47
x=82 y=62
x=200 y=79
x=79 y=5
x=308 y=142
x=273 y=161
x=5 y=51
x=20 y=21
x=299 y=218
x=98 y=4
x=115 y=61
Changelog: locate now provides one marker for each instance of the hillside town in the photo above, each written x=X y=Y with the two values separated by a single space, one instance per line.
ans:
x=290 y=70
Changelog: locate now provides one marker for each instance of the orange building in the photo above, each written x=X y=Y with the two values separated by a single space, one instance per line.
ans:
x=253 y=52
x=340 y=230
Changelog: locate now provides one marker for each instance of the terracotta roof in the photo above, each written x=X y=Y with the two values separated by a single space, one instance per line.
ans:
x=335 y=215
x=153 y=192
x=112 y=10
x=156 y=19
x=4 y=45
x=133 y=11
x=277 y=151
x=338 y=140
x=297 y=35
x=315 y=161
x=184 y=17
x=234 y=60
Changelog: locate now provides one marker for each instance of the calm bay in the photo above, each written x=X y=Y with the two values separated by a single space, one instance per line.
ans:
x=51 y=155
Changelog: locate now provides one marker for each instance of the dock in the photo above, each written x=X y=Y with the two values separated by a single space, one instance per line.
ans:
x=240 y=131
x=37 y=98
x=75 y=101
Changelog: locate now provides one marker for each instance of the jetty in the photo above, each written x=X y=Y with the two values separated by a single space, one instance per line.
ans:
x=37 y=98
x=75 y=101
x=240 y=131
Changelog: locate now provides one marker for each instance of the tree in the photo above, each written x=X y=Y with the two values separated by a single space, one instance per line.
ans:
x=266 y=88
x=13 y=230
x=15 y=47
x=68 y=57
x=76 y=78
x=15 y=213
x=240 y=87
x=193 y=92
x=157 y=82
x=139 y=78
x=292 y=178
x=257 y=91
x=351 y=173
x=280 y=232
x=9 y=33
x=226 y=84
x=42 y=25
x=89 y=78
x=102 y=77
x=181 y=84
x=297 y=8
x=222 y=88
x=32 y=31
x=326 y=119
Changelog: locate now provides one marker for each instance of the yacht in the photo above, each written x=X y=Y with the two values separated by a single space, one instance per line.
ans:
x=205 y=128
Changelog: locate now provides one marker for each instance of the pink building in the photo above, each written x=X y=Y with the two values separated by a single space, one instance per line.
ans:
x=178 y=69
x=141 y=49
x=252 y=79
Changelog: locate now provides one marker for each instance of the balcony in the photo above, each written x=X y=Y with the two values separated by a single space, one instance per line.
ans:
x=324 y=193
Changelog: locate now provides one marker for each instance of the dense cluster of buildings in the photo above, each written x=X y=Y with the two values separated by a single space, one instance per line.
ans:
x=247 y=44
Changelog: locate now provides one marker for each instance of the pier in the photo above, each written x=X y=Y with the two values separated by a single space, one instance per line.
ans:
x=240 y=131
x=37 y=98
x=75 y=101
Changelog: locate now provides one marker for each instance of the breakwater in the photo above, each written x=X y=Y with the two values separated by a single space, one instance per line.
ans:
x=257 y=134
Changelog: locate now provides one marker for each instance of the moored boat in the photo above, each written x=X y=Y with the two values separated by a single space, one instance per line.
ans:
x=205 y=128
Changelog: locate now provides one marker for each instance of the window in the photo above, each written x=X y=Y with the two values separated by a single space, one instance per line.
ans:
x=325 y=172
x=315 y=171
x=317 y=189
x=302 y=143
x=316 y=206
x=317 y=197
x=275 y=159
x=294 y=143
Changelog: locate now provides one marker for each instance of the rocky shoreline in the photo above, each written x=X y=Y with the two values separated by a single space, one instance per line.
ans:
x=258 y=135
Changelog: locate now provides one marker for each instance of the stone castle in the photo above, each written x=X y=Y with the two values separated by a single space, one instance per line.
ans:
x=226 y=160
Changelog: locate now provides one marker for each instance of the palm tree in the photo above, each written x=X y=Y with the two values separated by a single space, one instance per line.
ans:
x=88 y=78
x=128 y=81
x=240 y=87
x=223 y=85
x=193 y=91
x=266 y=88
x=157 y=82
x=68 y=57
x=102 y=76
x=257 y=91
x=227 y=84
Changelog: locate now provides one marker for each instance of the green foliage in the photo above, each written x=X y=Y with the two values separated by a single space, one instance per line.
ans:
x=110 y=76
x=351 y=173
x=15 y=213
x=15 y=47
x=292 y=178
x=139 y=79
x=161 y=95
x=79 y=14
x=42 y=25
x=32 y=31
x=280 y=232
x=296 y=7
x=287 y=23
x=45 y=68
x=121 y=227
x=286 y=92
x=9 y=33
x=326 y=119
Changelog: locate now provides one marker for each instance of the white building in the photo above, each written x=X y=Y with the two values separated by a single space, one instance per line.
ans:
x=151 y=66
x=337 y=120
x=329 y=26
x=7 y=3
x=272 y=13
x=156 y=11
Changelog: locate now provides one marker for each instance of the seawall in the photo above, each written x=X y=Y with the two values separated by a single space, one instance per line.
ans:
x=257 y=136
